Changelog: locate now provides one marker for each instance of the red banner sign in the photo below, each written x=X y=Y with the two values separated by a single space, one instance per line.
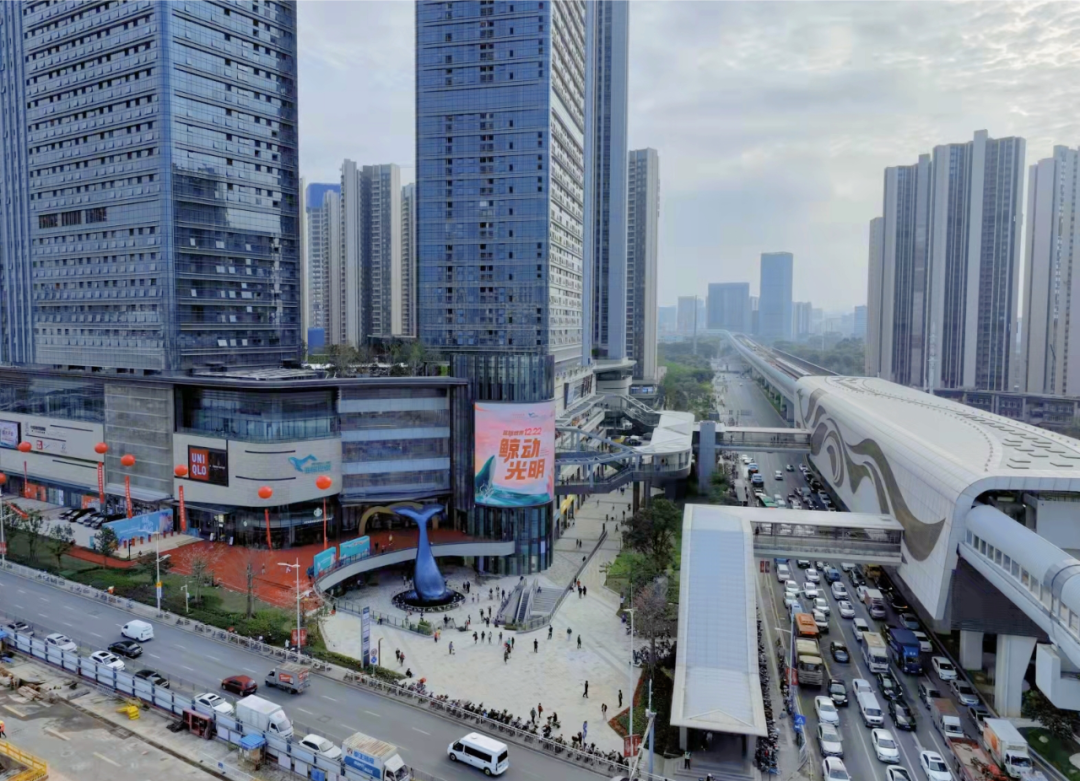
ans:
x=303 y=637
x=631 y=744
x=101 y=484
x=127 y=493
x=183 y=512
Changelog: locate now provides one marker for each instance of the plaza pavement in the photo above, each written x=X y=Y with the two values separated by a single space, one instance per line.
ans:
x=555 y=675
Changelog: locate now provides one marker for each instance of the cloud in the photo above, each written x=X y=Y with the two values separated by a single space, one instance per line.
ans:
x=774 y=121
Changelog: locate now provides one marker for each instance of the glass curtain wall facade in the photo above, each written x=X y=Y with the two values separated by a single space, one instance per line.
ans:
x=642 y=242
x=408 y=259
x=382 y=247
x=500 y=192
x=160 y=146
x=774 y=307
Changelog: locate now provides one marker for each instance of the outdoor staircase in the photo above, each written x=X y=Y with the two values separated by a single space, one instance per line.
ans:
x=545 y=601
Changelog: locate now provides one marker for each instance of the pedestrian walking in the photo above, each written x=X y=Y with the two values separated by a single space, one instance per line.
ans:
x=584 y=730
x=686 y=761
x=603 y=711
x=568 y=633
x=532 y=715
x=451 y=647
x=2 y=733
x=506 y=655
x=500 y=637
x=436 y=636
x=579 y=642
x=482 y=635
x=584 y=591
x=540 y=709
x=490 y=636
x=620 y=699
x=397 y=654
x=475 y=637
x=402 y=660
x=550 y=629
x=536 y=646
x=585 y=694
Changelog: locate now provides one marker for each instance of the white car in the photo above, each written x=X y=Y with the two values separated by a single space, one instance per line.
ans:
x=963 y=691
x=924 y=641
x=779 y=475
x=897 y=773
x=63 y=642
x=813 y=575
x=811 y=590
x=833 y=769
x=860 y=627
x=839 y=590
x=829 y=740
x=860 y=593
x=944 y=668
x=791 y=587
x=847 y=610
x=847 y=566
x=826 y=711
x=861 y=686
x=934 y=766
x=215 y=702
x=885 y=746
x=321 y=746
x=112 y=661
x=821 y=604
x=792 y=603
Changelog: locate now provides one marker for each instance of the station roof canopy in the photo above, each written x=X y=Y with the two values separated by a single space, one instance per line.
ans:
x=717 y=685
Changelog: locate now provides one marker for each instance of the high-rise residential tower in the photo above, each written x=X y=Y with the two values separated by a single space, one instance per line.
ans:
x=407 y=324
x=800 y=319
x=500 y=200
x=350 y=304
x=774 y=308
x=874 y=303
x=1050 y=346
x=687 y=315
x=859 y=323
x=381 y=252
x=643 y=238
x=149 y=183
x=728 y=307
x=606 y=95
x=323 y=204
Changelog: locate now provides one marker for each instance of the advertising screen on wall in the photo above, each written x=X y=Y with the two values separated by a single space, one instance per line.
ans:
x=9 y=433
x=208 y=465
x=515 y=454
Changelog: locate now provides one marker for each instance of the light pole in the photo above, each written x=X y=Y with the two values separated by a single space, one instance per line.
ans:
x=187 y=596
x=287 y=566
x=323 y=483
x=3 y=542
x=265 y=493
x=630 y=610
x=158 y=559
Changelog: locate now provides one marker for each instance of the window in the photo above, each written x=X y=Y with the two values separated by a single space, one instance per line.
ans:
x=71 y=218
x=96 y=215
x=48 y=220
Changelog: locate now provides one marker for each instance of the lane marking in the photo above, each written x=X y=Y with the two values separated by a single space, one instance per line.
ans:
x=208 y=656
x=417 y=729
x=69 y=607
x=248 y=669
x=305 y=710
x=95 y=634
x=18 y=713
x=371 y=713
x=325 y=697
x=16 y=604
x=351 y=728
x=182 y=648
x=21 y=591
x=190 y=669
x=106 y=759
x=55 y=734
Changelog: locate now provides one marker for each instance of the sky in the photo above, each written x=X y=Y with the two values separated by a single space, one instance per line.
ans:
x=774 y=121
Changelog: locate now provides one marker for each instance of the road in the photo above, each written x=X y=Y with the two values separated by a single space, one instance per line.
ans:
x=745 y=401
x=329 y=708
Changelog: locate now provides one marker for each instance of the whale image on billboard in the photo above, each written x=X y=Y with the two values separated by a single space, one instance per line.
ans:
x=515 y=454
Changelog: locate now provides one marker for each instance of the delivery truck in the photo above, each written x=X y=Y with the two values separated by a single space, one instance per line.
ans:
x=1007 y=747
x=259 y=715
x=874 y=652
x=874 y=602
x=289 y=676
x=809 y=666
x=946 y=718
x=905 y=651
x=971 y=762
x=374 y=759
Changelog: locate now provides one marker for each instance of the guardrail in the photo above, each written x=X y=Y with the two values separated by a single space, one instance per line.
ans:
x=538 y=622
x=34 y=768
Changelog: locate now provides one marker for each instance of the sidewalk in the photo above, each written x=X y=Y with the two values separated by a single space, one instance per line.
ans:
x=555 y=674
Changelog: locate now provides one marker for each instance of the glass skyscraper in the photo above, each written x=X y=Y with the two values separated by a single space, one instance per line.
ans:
x=500 y=192
x=149 y=185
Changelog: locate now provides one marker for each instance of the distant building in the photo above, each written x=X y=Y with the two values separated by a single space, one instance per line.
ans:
x=755 y=316
x=323 y=224
x=643 y=238
x=667 y=319
x=775 y=306
x=687 y=315
x=728 y=307
x=874 y=302
x=801 y=312
x=407 y=323
x=859 y=328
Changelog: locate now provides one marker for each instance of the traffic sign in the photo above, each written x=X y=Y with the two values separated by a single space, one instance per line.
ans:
x=799 y=720
x=374 y=660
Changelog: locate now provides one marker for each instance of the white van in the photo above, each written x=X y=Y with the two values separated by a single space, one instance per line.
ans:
x=872 y=715
x=783 y=572
x=481 y=752
x=138 y=630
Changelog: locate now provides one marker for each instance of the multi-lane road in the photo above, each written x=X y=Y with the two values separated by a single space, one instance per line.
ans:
x=329 y=708
x=745 y=401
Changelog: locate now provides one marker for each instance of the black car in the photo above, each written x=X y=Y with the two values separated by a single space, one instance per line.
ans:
x=902 y=715
x=802 y=563
x=856 y=577
x=128 y=648
x=155 y=678
x=839 y=652
x=899 y=604
x=838 y=692
x=890 y=689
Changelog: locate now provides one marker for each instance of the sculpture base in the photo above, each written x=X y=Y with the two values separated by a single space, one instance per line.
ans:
x=410 y=600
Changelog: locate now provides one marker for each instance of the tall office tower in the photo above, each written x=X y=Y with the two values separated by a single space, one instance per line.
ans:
x=1050 y=334
x=408 y=260
x=500 y=106
x=905 y=261
x=687 y=315
x=667 y=319
x=774 y=318
x=149 y=224
x=728 y=307
x=350 y=307
x=975 y=262
x=642 y=225
x=755 y=314
x=381 y=251
x=323 y=240
x=874 y=304
x=800 y=319
x=859 y=323
x=606 y=87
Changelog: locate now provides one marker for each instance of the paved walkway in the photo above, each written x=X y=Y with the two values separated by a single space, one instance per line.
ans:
x=554 y=675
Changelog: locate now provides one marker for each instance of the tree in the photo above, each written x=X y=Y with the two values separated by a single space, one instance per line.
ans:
x=148 y=565
x=61 y=540
x=652 y=616
x=106 y=543
x=343 y=359
x=13 y=525
x=1054 y=720
x=249 y=580
x=417 y=357
x=200 y=565
x=34 y=526
x=652 y=531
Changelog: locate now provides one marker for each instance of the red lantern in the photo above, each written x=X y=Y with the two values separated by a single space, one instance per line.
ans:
x=101 y=448
x=266 y=492
x=127 y=460
x=25 y=447
x=180 y=471
x=323 y=482
x=3 y=478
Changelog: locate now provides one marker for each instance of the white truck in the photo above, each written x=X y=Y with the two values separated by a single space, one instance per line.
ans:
x=374 y=759
x=261 y=715
x=1007 y=747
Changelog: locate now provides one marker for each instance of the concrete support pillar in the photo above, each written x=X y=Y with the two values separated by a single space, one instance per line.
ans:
x=706 y=463
x=636 y=502
x=682 y=739
x=971 y=649
x=1013 y=655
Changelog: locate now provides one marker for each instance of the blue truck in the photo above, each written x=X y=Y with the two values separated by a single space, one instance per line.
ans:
x=904 y=650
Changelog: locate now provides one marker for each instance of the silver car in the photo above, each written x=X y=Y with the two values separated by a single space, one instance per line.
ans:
x=832 y=745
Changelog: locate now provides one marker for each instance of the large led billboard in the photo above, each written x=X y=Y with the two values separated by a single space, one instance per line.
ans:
x=515 y=454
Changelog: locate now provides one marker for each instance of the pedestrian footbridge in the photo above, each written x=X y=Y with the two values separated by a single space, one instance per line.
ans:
x=864 y=537
x=763 y=440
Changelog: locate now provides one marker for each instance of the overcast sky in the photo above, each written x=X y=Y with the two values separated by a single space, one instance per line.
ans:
x=773 y=121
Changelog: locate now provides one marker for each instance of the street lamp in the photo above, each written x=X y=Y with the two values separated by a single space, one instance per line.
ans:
x=187 y=596
x=3 y=542
x=181 y=472
x=127 y=460
x=630 y=610
x=287 y=567
x=158 y=559
x=323 y=483
x=265 y=493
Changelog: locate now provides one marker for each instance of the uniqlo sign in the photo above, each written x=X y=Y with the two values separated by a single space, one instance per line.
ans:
x=208 y=465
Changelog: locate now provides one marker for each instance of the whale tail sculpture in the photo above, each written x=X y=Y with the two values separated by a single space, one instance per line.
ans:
x=429 y=586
